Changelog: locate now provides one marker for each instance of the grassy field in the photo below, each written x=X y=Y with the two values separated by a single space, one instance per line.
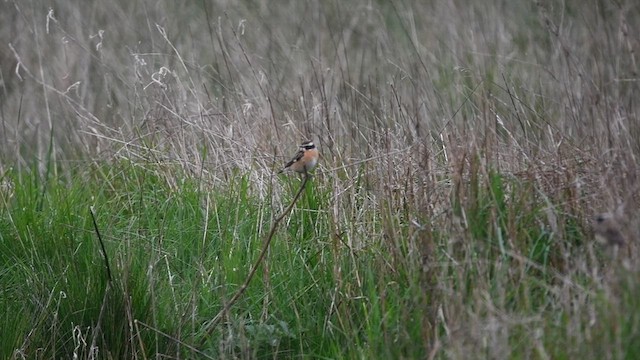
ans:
x=477 y=194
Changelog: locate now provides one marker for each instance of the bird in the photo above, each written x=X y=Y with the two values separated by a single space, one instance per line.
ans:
x=305 y=159
x=609 y=229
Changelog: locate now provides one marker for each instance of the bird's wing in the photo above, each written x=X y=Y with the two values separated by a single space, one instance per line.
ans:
x=298 y=156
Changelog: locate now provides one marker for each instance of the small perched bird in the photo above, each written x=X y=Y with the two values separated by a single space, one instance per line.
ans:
x=305 y=159
x=609 y=229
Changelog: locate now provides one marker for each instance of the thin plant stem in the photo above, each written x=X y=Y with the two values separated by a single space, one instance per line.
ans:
x=216 y=320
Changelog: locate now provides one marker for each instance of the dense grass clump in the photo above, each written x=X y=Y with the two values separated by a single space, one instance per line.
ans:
x=477 y=194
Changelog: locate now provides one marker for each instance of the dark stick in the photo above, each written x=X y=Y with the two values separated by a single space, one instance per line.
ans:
x=216 y=320
x=104 y=251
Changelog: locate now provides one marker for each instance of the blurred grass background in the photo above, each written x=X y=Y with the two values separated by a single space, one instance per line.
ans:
x=466 y=147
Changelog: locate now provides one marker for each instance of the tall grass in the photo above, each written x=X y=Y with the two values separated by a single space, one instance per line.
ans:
x=466 y=149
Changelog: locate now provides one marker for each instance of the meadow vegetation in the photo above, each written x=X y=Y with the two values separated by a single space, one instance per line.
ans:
x=467 y=148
